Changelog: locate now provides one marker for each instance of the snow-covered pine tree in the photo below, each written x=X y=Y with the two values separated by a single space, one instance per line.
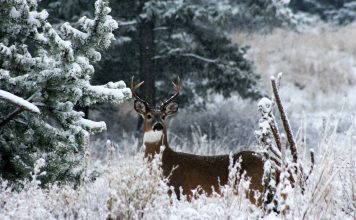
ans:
x=264 y=15
x=335 y=11
x=51 y=69
x=188 y=38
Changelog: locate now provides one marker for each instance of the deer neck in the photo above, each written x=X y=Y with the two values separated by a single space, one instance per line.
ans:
x=153 y=140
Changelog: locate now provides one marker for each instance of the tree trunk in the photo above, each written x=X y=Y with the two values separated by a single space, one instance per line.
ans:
x=147 y=68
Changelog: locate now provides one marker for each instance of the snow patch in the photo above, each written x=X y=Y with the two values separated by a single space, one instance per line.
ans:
x=14 y=13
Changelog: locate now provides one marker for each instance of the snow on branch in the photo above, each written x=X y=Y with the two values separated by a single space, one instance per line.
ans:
x=100 y=29
x=18 y=101
x=265 y=106
x=127 y=23
x=200 y=57
x=60 y=64
x=11 y=52
x=269 y=154
x=92 y=126
x=115 y=92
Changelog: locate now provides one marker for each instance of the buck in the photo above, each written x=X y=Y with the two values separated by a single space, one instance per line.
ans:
x=185 y=170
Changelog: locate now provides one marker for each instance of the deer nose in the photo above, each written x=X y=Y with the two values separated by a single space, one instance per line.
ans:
x=158 y=127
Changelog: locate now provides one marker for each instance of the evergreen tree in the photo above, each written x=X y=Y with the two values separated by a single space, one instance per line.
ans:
x=160 y=40
x=52 y=70
x=336 y=11
x=185 y=38
x=264 y=15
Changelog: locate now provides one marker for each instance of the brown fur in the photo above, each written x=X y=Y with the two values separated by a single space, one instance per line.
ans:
x=192 y=171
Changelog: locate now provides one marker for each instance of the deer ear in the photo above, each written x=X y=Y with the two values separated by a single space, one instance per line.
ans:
x=140 y=107
x=171 y=108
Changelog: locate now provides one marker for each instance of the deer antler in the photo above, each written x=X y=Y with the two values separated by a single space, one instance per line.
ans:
x=134 y=88
x=177 y=88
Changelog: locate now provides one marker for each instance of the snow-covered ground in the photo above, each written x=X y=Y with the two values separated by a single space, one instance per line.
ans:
x=319 y=67
x=122 y=186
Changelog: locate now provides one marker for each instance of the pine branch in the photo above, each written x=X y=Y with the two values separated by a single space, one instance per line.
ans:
x=18 y=101
x=11 y=116
x=19 y=110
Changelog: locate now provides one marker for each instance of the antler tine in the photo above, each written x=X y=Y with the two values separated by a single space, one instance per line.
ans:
x=177 y=88
x=134 y=88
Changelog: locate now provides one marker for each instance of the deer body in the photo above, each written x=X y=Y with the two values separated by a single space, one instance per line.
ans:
x=190 y=171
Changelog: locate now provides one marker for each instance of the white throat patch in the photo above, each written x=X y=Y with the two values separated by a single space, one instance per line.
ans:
x=152 y=136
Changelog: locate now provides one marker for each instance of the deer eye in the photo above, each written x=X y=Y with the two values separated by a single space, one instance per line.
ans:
x=149 y=116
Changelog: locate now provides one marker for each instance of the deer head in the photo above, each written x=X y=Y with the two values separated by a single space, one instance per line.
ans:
x=155 y=124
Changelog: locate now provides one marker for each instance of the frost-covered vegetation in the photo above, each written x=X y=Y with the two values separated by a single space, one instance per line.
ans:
x=44 y=81
x=337 y=12
x=123 y=186
x=320 y=70
x=120 y=184
x=51 y=69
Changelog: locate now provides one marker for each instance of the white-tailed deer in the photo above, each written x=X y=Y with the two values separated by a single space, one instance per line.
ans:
x=191 y=170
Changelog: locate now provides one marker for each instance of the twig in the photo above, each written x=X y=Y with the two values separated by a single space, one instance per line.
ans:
x=208 y=60
x=298 y=169
x=276 y=153
x=279 y=77
x=312 y=160
x=275 y=133
x=11 y=116
x=285 y=121
x=127 y=23
x=273 y=123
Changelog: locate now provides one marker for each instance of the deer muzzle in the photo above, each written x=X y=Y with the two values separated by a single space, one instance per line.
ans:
x=157 y=127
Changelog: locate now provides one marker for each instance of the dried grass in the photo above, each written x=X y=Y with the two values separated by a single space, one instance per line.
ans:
x=319 y=59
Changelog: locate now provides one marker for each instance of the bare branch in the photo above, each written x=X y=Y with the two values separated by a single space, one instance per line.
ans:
x=279 y=77
x=285 y=121
x=275 y=132
x=200 y=57
x=127 y=23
